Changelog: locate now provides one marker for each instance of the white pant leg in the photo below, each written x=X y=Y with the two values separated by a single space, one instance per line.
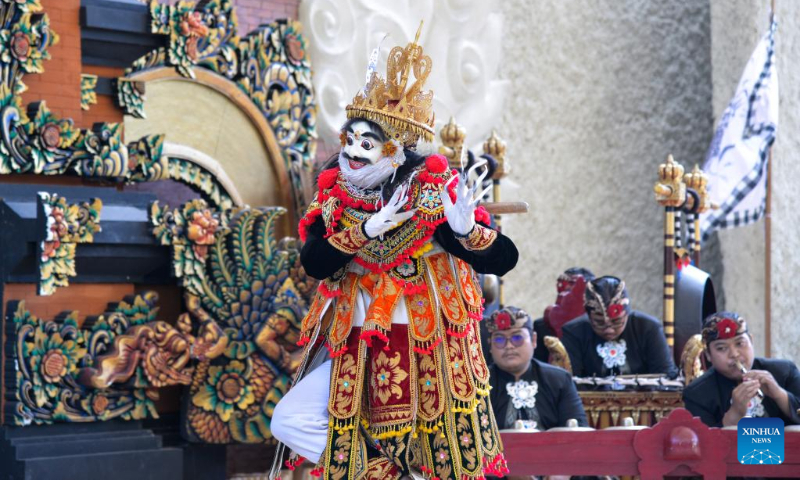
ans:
x=300 y=420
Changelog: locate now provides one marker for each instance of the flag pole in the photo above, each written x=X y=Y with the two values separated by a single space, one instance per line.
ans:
x=768 y=241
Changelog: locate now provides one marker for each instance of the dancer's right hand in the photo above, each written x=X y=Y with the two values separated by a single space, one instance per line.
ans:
x=388 y=217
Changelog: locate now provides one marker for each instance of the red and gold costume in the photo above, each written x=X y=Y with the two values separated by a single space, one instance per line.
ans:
x=420 y=389
x=397 y=310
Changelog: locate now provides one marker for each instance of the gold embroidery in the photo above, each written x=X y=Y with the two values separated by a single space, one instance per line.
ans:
x=431 y=389
x=345 y=398
x=459 y=373
x=423 y=317
x=314 y=313
x=479 y=368
x=329 y=209
x=406 y=238
x=387 y=377
x=349 y=241
x=480 y=238
x=385 y=294
x=446 y=289
x=343 y=320
x=465 y=440
x=468 y=287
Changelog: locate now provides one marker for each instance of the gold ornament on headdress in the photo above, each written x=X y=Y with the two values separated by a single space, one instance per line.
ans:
x=404 y=111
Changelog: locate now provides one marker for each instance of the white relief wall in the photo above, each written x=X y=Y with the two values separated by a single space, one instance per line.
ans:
x=462 y=37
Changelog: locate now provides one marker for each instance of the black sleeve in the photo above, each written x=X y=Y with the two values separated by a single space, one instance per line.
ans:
x=319 y=258
x=573 y=346
x=692 y=402
x=570 y=404
x=498 y=259
x=659 y=356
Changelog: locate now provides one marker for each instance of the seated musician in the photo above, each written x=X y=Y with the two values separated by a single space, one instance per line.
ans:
x=723 y=394
x=524 y=388
x=569 y=305
x=612 y=339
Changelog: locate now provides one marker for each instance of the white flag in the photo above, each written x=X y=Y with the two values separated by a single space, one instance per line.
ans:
x=737 y=159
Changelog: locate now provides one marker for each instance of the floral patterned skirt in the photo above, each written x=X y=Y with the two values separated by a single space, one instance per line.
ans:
x=416 y=394
x=426 y=410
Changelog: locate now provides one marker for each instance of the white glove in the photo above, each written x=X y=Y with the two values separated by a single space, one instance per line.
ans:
x=387 y=217
x=461 y=215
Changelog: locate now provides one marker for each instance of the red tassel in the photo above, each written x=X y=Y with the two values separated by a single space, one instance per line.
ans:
x=429 y=350
x=335 y=353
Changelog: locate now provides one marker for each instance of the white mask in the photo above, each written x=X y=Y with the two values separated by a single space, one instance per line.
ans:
x=368 y=176
x=361 y=159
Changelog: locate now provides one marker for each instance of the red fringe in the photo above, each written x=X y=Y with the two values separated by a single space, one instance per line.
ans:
x=463 y=334
x=497 y=466
x=436 y=178
x=306 y=221
x=403 y=257
x=348 y=201
x=366 y=336
x=482 y=216
x=304 y=339
x=328 y=293
x=327 y=178
x=317 y=472
x=335 y=353
x=409 y=288
x=429 y=349
x=291 y=465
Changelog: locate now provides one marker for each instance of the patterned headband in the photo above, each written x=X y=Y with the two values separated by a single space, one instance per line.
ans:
x=508 y=318
x=722 y=326
x=616 y=306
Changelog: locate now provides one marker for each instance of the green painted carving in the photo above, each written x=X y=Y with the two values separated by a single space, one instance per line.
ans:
x=235 y=272
x=273 y=69
x=48 y=356
x=194 y=32
x=130 y=97
x=67 y=225
x=88 y=95
x=109 y=367
x=34 y=140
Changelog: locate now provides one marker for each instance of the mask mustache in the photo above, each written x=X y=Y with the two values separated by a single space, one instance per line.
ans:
x=363 y=160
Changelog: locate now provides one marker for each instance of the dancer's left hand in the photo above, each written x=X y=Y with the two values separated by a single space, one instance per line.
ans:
x=461 y=214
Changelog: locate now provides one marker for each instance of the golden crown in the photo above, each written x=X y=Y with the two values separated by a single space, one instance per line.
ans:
x=404 y=112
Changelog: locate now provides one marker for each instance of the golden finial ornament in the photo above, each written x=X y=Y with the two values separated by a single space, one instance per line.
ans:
x=496 y=147
x=697 y=180
x=452 y=135
x=670 y=190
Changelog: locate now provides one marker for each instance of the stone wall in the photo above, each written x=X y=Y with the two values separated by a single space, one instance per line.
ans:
x=601 y=92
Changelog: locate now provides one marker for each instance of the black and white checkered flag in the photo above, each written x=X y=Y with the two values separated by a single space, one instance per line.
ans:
x=737 y=159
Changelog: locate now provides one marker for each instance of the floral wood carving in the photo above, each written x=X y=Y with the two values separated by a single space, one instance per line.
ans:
x=131 y=98
x=126 y=351
x=88 y=95
x=66 y=226
x=235 y=271
x=270 y=65
x=34 y=140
